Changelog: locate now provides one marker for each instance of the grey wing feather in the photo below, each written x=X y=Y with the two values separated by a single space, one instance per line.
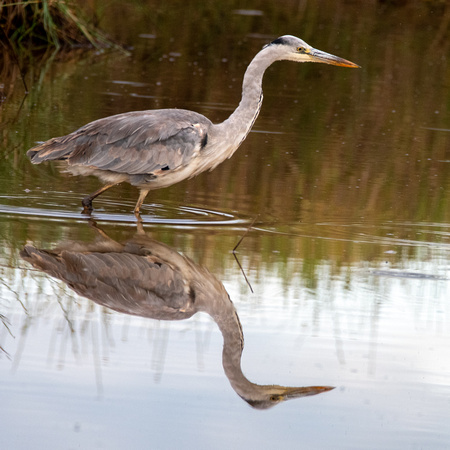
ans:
x=138 y=142
x=137 y=285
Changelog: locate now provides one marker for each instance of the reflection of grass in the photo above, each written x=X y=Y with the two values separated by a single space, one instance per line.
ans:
x=6 y=324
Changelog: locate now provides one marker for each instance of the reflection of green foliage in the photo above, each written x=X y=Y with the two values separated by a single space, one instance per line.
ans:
x=343 y=157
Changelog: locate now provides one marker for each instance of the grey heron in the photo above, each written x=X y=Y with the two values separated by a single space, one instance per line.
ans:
x=146 y=278
x=157 y=148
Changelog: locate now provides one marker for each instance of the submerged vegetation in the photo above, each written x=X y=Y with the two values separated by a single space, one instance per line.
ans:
x=37 y=24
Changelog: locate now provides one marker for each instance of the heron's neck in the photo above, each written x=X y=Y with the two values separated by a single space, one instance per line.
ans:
x=233 y=345
x=237 y=126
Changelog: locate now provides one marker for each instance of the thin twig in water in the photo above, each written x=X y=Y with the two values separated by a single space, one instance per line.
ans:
x=236 y=258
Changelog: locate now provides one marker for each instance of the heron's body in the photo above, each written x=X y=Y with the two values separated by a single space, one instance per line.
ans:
x=158 y=148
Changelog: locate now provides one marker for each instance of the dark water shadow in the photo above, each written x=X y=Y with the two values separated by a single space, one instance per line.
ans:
x=146 y=278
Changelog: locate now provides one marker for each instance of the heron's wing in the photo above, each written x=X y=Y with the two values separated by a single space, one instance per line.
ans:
x=132 y=284
x=140 y=142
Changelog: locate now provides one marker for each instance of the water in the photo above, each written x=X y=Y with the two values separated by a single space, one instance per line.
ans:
x=341 y=193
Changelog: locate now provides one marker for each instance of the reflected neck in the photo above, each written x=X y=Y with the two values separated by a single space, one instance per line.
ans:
x=233 y=345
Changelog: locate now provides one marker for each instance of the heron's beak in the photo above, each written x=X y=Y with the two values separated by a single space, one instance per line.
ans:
x=327 y=58
x=294 y=392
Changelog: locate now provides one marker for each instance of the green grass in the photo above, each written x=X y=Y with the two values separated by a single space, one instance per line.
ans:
x=38 y=24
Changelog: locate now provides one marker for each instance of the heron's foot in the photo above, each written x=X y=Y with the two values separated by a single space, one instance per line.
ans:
x=87 y=205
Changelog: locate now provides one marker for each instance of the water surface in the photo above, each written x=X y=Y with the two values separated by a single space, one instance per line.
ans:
x=342 y=194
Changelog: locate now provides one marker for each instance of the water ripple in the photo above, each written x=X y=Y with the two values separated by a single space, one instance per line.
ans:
x=166 y=214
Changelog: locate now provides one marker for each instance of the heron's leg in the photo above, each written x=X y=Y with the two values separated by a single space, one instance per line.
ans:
x=139 y=225
x=87 y=201
x=141 y=199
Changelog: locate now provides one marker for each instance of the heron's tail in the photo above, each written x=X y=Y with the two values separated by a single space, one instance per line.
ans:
x=41 y=259
x=50 y=150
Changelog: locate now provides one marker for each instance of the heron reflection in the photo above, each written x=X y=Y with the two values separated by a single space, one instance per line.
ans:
x=147 y=278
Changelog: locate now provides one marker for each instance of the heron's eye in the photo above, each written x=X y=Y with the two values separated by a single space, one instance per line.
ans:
x=301 y=49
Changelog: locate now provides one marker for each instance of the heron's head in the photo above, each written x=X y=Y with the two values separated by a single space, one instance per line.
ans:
x=295 y=49
x=264 y=397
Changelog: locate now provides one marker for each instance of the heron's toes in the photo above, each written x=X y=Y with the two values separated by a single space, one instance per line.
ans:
x=87 y=205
